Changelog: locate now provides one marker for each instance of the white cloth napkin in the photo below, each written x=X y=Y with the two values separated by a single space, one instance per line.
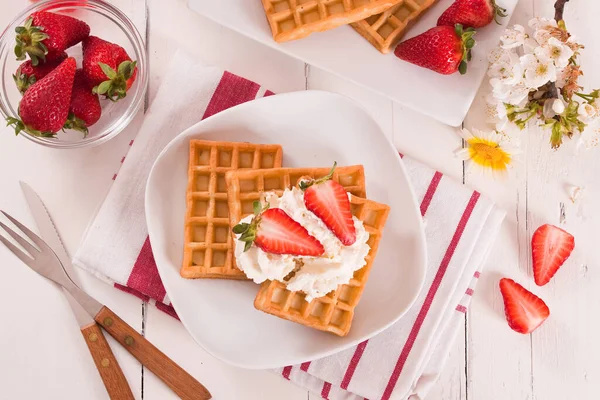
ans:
x=404 y=361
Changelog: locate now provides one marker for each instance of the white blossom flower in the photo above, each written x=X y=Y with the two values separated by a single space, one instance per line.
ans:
x=538 y=71
x=587 y=112
x=513 y=37
x=507 y=68
x=556 y=51
x=542 y=23
x=512 y=94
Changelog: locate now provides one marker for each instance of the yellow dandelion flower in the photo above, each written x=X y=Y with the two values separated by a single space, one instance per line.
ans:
x=489 y=152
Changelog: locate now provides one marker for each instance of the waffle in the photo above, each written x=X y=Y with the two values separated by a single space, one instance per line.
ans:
x=385 y=30
x=208 y=245
x=333 y=312
x=295 y=19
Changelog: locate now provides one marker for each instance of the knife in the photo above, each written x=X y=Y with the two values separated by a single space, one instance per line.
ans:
x=92 y=315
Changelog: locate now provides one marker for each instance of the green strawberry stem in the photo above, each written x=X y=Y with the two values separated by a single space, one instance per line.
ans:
x=23 y=81
x=29 y=40
x=467 y=41
x=306 y=184
x=115 y=88
x=76 y=124
x=19 y=126
x=247 y=231
x=498 y=12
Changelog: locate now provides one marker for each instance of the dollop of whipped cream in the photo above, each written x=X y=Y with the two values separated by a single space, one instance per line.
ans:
x=315 y=276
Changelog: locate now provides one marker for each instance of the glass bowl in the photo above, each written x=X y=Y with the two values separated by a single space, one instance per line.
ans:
x=106 y=22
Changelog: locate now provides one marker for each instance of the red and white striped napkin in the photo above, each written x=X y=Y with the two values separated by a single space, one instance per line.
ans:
x=404 y=361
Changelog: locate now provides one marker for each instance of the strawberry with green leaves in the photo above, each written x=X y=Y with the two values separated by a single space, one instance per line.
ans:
x=108 y=68
x=472 y=13
x=85 y=109
x=46 y=35
x=328 y=200
x=27 y=73
x=44 y=108
x=443 y=49
x=274 y=231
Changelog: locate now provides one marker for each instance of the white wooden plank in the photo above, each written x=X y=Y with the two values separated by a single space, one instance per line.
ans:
x=565 y=350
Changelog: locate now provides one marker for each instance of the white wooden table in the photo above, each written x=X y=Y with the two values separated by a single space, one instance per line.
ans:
x=42 y=355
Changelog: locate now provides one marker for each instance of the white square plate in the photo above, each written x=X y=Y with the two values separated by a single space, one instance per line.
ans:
x=314 y=129
x=344 y=52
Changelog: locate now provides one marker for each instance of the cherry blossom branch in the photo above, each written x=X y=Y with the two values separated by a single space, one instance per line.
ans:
x=559 y=8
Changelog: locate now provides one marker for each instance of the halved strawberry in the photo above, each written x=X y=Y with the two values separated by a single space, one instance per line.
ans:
x=550 y=248
x=328 y=200
x=273 y=231
x=524 y=310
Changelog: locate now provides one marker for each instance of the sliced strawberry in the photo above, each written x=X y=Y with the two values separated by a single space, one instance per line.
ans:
x=524 y=310
x=328 y=200
x=273 y=231
x=550 y=248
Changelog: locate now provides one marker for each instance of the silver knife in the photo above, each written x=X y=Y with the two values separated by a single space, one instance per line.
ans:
x=93 y=336
x=182 y=383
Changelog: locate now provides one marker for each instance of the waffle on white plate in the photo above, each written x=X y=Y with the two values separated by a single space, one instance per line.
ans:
x=333 y=312
x=208 y=245
x=295 y=19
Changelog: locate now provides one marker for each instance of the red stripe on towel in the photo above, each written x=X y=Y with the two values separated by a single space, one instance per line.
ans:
x=325 y=390
x=231 y=91
x=286 y=372
x=360 y=349
x=304 y=366
x=437 y=281
x=144 y=277
x=435 y=181
x=461 y=308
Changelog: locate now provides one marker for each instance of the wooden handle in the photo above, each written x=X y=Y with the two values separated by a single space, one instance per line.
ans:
x=182 y=383
x=110 y=371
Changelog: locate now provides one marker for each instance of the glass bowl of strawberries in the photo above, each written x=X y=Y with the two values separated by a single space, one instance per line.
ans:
x=74 y=73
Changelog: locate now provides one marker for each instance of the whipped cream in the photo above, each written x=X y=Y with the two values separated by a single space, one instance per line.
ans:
x=316 y=276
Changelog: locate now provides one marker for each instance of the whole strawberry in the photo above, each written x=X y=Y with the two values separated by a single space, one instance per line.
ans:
x=108 y=68
x=443 y=49
x=472 y=13
x=45 y=106
x=27 y=73
x=85 y=109
x=45 y=36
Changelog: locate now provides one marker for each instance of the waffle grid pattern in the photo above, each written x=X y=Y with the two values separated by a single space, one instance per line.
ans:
x=335 y=311
x=295 y=19
x=385 y=30
x=208 y=245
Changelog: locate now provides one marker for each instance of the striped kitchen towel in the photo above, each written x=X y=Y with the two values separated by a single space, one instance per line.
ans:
x=402 y=362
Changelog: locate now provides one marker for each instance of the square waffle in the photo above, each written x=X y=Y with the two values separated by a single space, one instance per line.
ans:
x=295 y=19
x=385 y=30
x=208 y=245
x=333 y=312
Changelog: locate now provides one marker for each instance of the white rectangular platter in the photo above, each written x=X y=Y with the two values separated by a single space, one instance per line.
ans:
x=343 y=52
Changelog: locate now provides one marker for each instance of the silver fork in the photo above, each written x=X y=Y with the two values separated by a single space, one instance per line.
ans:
x=92 y=316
